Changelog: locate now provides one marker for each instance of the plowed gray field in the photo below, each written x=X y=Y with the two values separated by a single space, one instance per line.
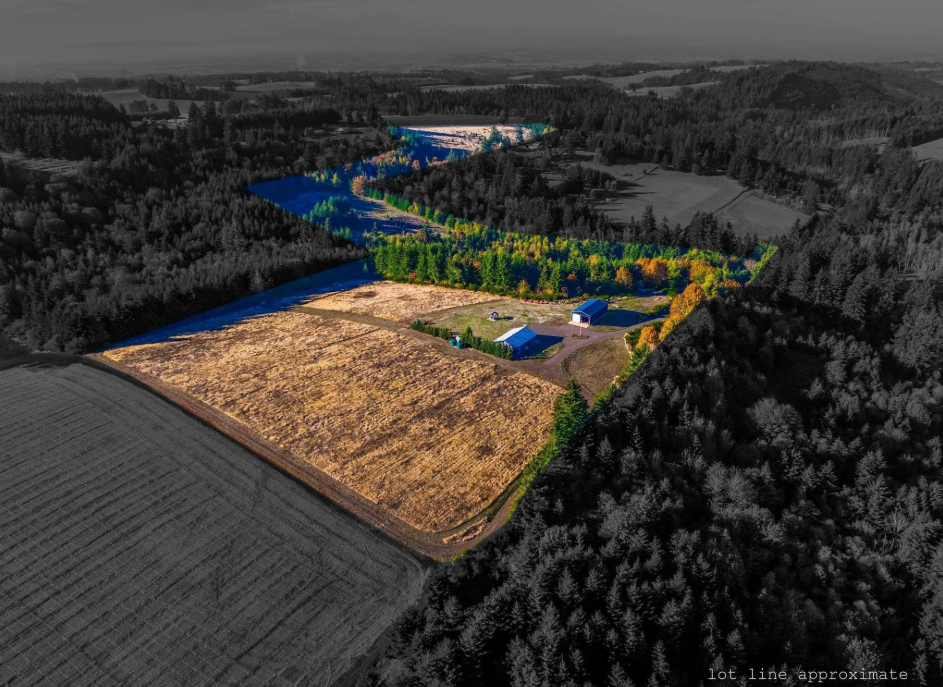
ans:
x=140 y=547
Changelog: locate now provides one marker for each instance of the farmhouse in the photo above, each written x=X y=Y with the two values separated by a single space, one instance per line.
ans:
x=590 y=312
x=518 y=338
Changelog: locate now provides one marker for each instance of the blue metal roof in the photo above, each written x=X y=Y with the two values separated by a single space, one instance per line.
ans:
x=593 y=306
x=515 y=338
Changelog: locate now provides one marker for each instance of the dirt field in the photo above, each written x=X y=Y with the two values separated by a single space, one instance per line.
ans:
x=595 y=366
x=930 y=151
x=754 y=215
x=430 y=439
x=394 y=301
x=140 y=547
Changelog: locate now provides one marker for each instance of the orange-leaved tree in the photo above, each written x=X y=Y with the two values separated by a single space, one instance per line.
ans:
x=648 y=337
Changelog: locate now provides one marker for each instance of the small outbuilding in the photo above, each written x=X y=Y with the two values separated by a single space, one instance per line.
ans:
x=589 y=312
x=518 y=338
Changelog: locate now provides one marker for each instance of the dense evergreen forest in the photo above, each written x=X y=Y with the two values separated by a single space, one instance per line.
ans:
x=764 y=491
x=155 y=224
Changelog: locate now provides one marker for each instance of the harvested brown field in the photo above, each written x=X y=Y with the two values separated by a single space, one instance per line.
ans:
x=394 y=301
x=431 y=439
x=141 y=547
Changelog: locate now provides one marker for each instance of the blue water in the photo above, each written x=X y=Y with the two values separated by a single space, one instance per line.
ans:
x=298 y=195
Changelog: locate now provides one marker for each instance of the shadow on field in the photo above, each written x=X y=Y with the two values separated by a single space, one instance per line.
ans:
x=624 y=318
x=539 y=344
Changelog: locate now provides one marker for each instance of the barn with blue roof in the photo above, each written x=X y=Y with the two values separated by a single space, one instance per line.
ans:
x=518 y=338
x=590 y=312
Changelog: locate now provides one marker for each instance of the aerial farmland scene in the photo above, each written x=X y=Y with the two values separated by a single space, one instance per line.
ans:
x=472 y=344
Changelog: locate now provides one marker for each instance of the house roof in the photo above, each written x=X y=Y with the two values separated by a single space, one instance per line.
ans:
x=517 y=337
x=593 y=306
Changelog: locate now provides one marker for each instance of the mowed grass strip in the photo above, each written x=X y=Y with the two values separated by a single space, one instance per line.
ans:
x=428 y=437
x=395 y=301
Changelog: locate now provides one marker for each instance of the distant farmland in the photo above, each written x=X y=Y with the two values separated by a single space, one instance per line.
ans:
x=140 y=547
x=679 y=195
x=930 y=151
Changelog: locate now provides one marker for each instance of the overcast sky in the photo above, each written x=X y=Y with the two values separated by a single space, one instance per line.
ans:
x=153 y=33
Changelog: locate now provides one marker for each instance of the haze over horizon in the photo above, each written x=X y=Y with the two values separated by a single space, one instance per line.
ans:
x=54 y=37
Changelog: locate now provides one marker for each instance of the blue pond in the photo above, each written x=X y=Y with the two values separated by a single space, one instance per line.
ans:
x=300 y=195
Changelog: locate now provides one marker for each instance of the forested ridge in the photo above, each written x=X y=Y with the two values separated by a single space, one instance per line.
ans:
x=155 y=225
x=764 y=492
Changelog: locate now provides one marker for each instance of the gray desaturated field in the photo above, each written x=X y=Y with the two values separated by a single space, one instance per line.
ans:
x=140 y=547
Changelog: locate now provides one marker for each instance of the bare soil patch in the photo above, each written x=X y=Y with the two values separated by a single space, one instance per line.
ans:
x=430 y=439
x=141 y=547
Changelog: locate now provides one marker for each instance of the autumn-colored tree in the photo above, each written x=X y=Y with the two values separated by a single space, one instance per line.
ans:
x=523 y=288
x=358 y=185
x=654 y=270
x=692 y=296
x=624 y=276
x=671 y=322
x=700 y=271
x=648 y=337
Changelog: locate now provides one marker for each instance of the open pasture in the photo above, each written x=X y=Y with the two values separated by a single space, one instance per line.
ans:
x=675 y=195
x=430 y=439
x=141 y=547
x=750 y=214
x=395 y=301
x=679 y=195
x=930 y=151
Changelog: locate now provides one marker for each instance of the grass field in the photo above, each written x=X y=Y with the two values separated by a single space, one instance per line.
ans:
x=511 y=313
x=679 y=195
x=514 y=313
x=752 y=214
x=675 y=195
x=596 y=365
x=394 y=301
x=140 y=547
x=430 y=439
x=930 y=151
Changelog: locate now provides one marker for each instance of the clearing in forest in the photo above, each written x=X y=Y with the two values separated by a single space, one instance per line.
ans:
x=430 y=439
